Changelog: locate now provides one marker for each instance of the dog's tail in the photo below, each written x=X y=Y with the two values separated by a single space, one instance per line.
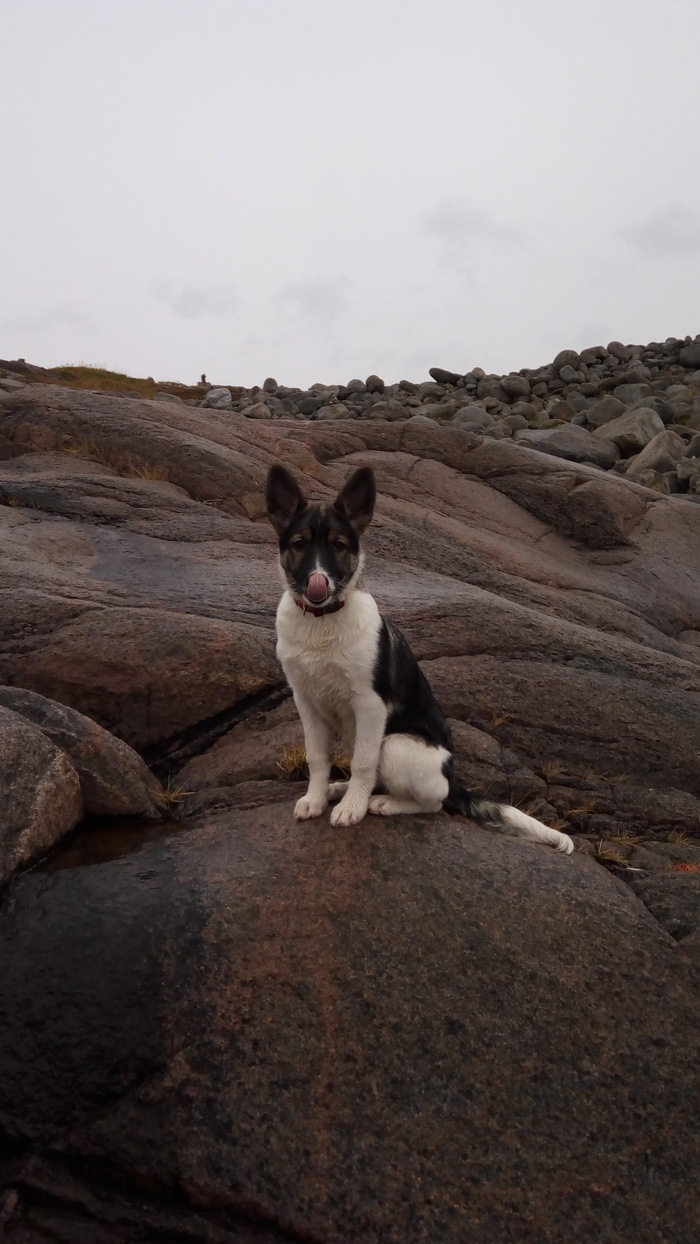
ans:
x=504 y=818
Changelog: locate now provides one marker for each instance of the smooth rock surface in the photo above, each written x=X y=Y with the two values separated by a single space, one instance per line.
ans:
x=385 y=1034
x=573 y=443
x=114 y=780
x=41 y=797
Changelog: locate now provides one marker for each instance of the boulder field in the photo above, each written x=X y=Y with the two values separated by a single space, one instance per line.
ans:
x=227 y=1026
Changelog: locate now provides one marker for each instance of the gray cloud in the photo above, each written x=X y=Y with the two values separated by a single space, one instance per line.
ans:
x=322 y=300
x=191 y=300
x=674 y=230
x=53 y=318
x=463 y=230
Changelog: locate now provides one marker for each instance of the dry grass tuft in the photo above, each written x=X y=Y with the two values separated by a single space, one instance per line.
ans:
x=607 y=854
x=121 y=463
x=293 y=764
x=101 y=380
x=680 y=867
x=680 y=839
x=500 y=719
x=551 y=768
x=175 y=794
x=588 y=805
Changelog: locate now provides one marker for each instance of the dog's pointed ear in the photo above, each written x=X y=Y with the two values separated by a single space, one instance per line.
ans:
x=356 y=500
x=284 y=498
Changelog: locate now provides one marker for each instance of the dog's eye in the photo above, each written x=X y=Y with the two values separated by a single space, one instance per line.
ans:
x=297 y=544
x=339 y=546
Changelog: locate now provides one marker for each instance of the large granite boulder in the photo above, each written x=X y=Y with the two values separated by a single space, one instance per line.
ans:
x=413 y=1030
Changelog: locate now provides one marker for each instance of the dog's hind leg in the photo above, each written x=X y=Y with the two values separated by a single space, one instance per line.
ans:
x=412 y=772
x=336 y=790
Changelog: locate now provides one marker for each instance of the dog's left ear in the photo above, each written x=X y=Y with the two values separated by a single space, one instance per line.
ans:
x=284 y=498
x=356 y=500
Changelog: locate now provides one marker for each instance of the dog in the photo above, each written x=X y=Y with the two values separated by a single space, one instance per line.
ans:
x=354 y=676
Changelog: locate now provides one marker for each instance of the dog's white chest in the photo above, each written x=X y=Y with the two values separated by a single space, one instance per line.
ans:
x=330 y=660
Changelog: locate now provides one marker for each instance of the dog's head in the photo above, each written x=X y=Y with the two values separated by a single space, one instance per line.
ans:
x=319 y=544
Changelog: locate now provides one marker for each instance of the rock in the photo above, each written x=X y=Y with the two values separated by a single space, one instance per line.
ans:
x=349 y=1080
x=622 y=353
x=673 y=898
x=270 y=385
x=217 y=398
x=472 y=417
x=259 y=410
x=662 y=408
x=114 y=781
x=570 y=376
x=167 y=397
x=524 y=410
x=565 y=358
x=657 y=480
x=252 y=752
x=440 y=376
x=8 y=384
x=690 y=355
x=492 y=388
x=425 y=419
x=334 y=411
x=687 y=470
x=145 y=674
x=662 y=453
x=356 y=386
x=692 y=449
x=631 y=394
x=374 y=384
x=631 y=432
x=572 y=443
x=515 y=420
x=515 y=386
x=593 y=355
x=309 y=403
x=41 y=799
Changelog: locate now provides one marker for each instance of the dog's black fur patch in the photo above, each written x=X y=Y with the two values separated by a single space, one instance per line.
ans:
x=413 y=709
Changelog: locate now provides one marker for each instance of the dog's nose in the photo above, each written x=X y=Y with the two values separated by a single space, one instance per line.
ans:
x=317 y=588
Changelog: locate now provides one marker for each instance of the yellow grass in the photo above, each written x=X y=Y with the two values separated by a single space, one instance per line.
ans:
x=293 y=764
x=551 y=768
x=121 y=463
x=102 y=380
x=175 y=794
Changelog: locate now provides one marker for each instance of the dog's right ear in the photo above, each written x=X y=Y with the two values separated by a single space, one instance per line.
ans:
x=284 y=498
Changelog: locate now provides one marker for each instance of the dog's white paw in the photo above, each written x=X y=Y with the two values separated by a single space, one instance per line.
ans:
x=349 y=812
x=381 y=805
x=306 y=808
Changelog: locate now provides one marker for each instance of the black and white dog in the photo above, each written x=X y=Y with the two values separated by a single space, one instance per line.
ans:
x=354 y=676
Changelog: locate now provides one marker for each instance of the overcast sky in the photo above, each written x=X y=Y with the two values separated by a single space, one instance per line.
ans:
x=320 y=189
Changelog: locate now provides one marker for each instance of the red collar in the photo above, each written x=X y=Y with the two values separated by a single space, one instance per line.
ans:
x=319 y=613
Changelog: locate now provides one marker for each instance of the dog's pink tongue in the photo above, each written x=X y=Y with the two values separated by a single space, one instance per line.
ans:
x=317 y=588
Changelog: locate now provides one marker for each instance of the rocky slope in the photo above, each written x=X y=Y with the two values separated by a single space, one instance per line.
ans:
x=247 y=1029
x=631 y=409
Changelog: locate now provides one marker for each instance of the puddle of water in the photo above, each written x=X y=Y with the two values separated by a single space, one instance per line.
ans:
x=99 y=841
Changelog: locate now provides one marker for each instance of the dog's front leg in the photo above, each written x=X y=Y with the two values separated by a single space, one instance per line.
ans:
x=370 y=720
x=317 y=741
